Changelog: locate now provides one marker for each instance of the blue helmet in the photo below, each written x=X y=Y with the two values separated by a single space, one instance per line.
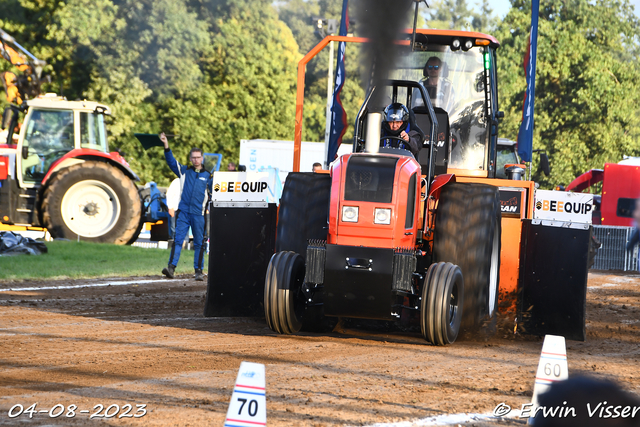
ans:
x=395 y=112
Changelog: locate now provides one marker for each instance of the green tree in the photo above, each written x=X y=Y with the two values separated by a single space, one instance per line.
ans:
x=249 y=73
x=210 y=71
x=587 y=82
x=298 y=15
x=460 y=15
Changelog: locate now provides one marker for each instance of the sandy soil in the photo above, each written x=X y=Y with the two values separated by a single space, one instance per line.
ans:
x=149 y=344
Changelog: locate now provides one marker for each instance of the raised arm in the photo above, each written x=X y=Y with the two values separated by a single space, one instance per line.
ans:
x=168 y=155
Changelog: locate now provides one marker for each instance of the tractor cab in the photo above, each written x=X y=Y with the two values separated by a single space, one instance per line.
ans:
x=457 y=72
x=52 y=128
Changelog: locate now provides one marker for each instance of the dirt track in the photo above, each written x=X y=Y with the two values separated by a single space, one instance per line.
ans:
x=148 y=344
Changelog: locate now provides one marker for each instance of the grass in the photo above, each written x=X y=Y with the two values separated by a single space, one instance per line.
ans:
x=83 y=260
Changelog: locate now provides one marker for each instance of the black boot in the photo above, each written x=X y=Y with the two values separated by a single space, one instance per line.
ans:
x=169 y=271
x=199 y=275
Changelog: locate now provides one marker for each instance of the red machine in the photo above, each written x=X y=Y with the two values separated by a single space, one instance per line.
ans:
x=620 y=189
x=56 y=170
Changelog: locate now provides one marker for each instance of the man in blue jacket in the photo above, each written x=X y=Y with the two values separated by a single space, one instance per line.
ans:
x=194 y=183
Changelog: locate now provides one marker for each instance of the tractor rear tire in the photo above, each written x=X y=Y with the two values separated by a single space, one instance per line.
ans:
x=284 y=301
x=303 y=215
x=468 y=234
x=304 y=210
x=92 y=201
x=441 y=303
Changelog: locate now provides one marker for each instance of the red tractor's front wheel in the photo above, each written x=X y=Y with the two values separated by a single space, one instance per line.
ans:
x=284 y=301
x=441 y=303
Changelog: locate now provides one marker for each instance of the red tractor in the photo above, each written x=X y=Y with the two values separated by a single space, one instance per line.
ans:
x=424 y=239
x=57 y=172
x=380 y=238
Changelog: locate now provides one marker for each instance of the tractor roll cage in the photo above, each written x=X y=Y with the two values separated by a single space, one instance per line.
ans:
x=411 y=88
x=302 y=67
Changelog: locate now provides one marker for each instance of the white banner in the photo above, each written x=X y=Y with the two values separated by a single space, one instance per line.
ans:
x=563 y=206
x=246 y=187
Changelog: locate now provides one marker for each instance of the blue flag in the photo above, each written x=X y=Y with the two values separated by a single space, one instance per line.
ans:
x=525 y=135
x=338 y=115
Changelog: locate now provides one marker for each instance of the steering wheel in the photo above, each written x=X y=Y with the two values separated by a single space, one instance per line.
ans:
x=394 y=141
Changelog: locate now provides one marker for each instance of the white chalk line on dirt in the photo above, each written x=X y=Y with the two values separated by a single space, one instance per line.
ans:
x=440 y=420
x=89 y=285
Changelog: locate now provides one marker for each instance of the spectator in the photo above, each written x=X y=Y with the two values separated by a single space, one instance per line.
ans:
x=173 y=200
x=317 y=167
x=195 y=182
x=231 y=167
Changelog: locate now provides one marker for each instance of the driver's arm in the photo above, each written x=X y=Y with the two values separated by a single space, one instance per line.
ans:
x=413 y=140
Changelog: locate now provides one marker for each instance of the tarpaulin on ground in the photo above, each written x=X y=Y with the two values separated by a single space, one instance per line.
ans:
x=15 y=244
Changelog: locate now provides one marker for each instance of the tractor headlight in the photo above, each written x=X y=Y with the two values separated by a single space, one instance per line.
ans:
x=382 y=216
x=350 y=214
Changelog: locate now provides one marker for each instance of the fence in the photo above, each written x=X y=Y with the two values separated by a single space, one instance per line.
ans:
x=613 y=254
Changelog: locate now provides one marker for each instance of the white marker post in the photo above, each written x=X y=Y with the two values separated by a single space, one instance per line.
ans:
x=248 y=406
x=551 y=368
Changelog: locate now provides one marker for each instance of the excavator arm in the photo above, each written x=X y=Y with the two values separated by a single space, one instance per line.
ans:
x=25 y=85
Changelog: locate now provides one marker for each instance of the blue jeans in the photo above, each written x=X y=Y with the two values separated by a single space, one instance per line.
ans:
x=183 y=222
x=172 y=225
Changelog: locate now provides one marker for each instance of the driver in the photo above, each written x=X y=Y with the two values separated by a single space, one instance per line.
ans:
x=437 y=85
x=396 y=124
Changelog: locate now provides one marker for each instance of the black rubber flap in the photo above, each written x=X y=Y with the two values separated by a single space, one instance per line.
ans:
x=553 y=280
x=241 y=245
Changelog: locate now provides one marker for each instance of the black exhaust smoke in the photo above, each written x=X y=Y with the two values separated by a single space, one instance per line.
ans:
x=382 y=22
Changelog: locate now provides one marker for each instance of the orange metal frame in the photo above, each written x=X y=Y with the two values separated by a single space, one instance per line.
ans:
x=302 y=65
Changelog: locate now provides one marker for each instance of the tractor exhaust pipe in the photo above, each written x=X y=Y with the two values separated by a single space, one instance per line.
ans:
x=372 y=141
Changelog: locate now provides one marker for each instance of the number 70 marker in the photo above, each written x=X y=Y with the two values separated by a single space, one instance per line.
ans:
x=248 y=406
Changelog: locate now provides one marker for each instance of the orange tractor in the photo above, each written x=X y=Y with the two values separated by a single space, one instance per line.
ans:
x=434 y=239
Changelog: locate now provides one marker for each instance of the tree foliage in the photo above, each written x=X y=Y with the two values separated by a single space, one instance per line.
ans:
x=587 y=82
x=210 y=71
x=299 y=16
x=460 y=15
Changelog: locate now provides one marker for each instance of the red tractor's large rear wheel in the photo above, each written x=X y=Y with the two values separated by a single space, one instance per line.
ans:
x=92 y=201
x=468 y=233
x=304 y=208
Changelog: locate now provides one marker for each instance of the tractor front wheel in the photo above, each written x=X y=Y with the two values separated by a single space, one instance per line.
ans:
x=441 y=304
x=92 y=201
x=284 y=300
